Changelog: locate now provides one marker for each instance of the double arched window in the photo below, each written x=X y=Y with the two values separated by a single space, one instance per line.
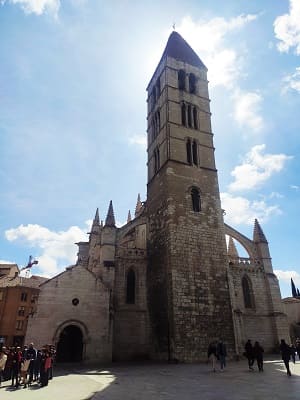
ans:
x=189 y=116
x=130 y=287
x=182 y=81
x=192 y=152
x=247 y=292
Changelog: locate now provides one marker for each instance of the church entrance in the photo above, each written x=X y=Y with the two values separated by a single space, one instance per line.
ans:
x=70 y=345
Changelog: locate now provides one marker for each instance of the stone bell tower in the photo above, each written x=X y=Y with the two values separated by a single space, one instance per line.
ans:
x=188 y=294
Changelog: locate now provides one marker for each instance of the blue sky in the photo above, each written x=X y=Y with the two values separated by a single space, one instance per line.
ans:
x=73 y=75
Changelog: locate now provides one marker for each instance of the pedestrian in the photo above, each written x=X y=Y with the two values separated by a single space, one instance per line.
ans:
x=285 y=354
x=221 y=354
x=3 y=359
x=249 y=354
x=45 y=365
x=212 y=354
x=31 y=355
x=293 y=353
x=16 y=363
x=9 y=364
x=298 y=347
x=258 y=353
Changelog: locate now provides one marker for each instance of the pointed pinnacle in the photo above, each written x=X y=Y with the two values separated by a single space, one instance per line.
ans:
x=96 y=219
x=232 y=251
x=110 y=218
x=129 y=217
x=138 y=206
x=258 y=234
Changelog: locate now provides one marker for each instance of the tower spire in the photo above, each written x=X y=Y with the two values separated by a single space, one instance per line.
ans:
x=294 y=290
x=129 y=217
x=258 y=234
x=110 y=218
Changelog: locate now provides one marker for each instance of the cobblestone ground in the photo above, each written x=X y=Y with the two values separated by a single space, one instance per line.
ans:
x=165 y=381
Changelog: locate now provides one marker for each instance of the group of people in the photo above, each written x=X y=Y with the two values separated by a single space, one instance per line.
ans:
x=217 y=353
x=26 y=365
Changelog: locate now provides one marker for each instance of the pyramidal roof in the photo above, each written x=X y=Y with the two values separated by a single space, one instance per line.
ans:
x=110 y=218
x=179 y=49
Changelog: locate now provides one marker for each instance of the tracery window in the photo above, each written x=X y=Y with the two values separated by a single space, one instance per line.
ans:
x=247 y=292
x=130 y=287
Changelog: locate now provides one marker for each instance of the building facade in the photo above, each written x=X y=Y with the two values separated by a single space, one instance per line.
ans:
x=18 y=299
x=166 y=284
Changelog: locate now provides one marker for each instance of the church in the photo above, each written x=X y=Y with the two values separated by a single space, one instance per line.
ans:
x=167 y=283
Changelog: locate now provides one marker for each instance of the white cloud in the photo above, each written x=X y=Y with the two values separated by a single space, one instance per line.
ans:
x=295 y=187
x=54 y=250
x=140 y=140
x=247 y=110
x=292 y=81
x=6 y=262
x=37 y=7
x=240 y=210
x=257 y=168
x=287 y=275
x=287 y=28
x=207 y=39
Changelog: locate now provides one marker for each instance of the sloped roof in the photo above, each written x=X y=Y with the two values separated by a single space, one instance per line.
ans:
x=33 y=282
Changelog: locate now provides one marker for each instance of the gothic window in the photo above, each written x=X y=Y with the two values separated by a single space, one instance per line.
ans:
x=181 y=79
x=195 y=118
x=195 y=152
x=195 y=199
x=130 y=289
x=247 y=292
x=183 y=114
x=189 y=151
x=192 y=83
x=158 y=121
x=190 y=116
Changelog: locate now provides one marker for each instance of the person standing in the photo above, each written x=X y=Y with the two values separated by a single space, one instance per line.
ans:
x=249 y=354
x=31 y=355
x=285 y=355
x=16 y=363
x=212 y=354
x=258 y=353
x=3 y=359
x=221 y=354
x=298 y=347
x=293 y=353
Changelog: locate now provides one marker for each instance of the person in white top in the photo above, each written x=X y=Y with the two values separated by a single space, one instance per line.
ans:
x=3 y=358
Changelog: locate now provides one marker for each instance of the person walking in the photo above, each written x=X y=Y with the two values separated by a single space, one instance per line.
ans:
x=298 y=347
x=31 y=355
x=212 y=354
x=3 y=359
x=249 y=354
x=221 y=354
x=258 y=353
x=285 y=355
x=293 y=353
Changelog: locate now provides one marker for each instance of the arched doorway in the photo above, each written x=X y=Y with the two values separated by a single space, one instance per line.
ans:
x=70 y=345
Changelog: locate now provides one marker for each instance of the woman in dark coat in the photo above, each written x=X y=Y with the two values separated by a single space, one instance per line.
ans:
x=285 y=354
x=259 y=355
x=249 y=354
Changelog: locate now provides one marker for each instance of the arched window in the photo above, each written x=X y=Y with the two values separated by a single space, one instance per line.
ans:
x=195 y=152
x=195 y=118
x=154 y=95
x=158 y=121
x=196 y=200
x=190 y=116
x=130 y=289
x=192 y=83
x=156 y=160
x=183 y=114
x=181 y=79
x=158 y=87
x=188 y=151
x=247 y=292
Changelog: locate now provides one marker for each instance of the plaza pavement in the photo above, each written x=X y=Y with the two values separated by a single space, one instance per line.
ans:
x=145 y=381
